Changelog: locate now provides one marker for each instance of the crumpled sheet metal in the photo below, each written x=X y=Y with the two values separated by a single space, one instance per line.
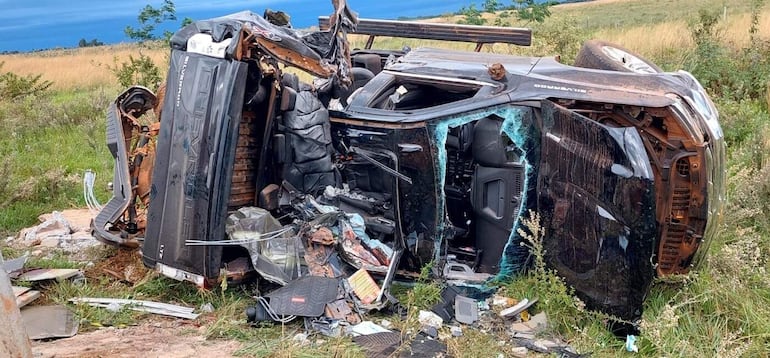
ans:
x=323 y=53
x=275 y=259
x=514 y=254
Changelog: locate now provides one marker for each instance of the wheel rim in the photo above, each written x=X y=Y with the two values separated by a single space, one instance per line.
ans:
x=629 y=61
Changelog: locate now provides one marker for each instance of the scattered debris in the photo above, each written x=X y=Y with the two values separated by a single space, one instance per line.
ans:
x=165 y=309
x=207 y=308
x=364 y=286
x=50 y=274
x=24 y=295
x=423 y=346
x=519 y=352
x=14 y=266
x=517 y=308
x=43 y=322
x=430 y=319
x=529 y=329
x=68 y=230
x=366 y=328
x=456 y=331
x=301 y=338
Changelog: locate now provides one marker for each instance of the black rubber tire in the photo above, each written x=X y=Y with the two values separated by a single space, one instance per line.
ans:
x=593 y=55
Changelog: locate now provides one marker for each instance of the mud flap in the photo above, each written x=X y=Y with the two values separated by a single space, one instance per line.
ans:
x=195 y=155
x=596 y=195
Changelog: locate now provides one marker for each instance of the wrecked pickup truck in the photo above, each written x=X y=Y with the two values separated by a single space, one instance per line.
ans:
x=391 y=160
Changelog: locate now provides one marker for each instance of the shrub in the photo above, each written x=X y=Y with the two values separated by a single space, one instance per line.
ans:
x=13 y=86
x=136 y=71
x=727 y=73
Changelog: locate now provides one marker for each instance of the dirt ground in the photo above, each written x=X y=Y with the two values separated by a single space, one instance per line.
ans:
x=157 y=338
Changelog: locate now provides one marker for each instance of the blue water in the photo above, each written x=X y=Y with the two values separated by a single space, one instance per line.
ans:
x=41 y=24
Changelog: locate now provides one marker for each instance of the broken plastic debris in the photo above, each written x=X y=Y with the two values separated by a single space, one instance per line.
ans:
x=502 y=301
x=458 y=271
x=366 y=328
x=428 y=318
x=631 y=344
x=207 y=307
x=517 y=308
x=466 y=310
x=457 y=331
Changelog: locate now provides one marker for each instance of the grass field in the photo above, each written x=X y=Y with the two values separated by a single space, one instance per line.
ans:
x=723 y=309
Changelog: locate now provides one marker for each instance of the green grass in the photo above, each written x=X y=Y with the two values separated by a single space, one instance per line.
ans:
x=46 y=144
x=630 y=13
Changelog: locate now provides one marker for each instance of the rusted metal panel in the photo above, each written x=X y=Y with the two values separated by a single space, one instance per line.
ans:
x=444 y=32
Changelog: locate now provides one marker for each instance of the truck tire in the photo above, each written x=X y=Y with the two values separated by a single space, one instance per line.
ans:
x=602 y=55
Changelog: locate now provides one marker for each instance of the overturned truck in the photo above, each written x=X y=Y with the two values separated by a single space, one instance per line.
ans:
x=390 y=160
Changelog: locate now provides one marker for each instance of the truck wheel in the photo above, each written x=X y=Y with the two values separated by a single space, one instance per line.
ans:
x=602 y=55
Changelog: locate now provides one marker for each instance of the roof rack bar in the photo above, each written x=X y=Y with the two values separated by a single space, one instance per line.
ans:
x=444 y=32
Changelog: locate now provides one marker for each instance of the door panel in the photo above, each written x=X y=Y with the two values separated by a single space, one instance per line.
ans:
x=596 y=193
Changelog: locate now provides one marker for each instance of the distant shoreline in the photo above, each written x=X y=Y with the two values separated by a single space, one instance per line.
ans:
x=110 y=36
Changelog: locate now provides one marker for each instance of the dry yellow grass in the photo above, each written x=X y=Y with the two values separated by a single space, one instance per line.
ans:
x=78 y=68
x=651 y=40
x=88 y=67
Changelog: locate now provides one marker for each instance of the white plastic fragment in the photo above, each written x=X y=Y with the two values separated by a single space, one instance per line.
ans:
x=207 y=307
x=510 y=311
x=631 y=344
x=457 y=331
x=366 y=328
x=428 y=318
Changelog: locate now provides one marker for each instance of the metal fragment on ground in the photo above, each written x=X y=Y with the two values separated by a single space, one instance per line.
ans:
x=43 y=322
x=49 y=274
x=24 y=295
x=338 y=309
x=160 y=308
x=12 y=266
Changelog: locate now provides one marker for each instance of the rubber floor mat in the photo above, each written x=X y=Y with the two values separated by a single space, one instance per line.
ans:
x=379 y=345
x=306 y=296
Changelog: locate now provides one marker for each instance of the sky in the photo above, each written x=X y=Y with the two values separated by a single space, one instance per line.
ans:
x=39 y=24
